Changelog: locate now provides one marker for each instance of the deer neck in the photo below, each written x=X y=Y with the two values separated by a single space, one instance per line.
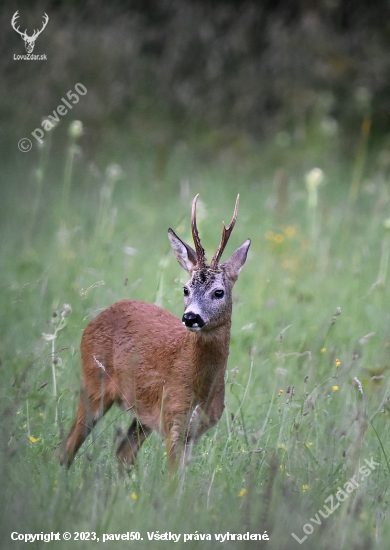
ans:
x=209 y=351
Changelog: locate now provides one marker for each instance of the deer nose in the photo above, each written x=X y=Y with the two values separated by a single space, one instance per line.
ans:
x=192 y=320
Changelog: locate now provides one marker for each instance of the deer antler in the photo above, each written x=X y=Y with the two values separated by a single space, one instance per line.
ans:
x=201 y=260
x=24 y=34
x=13 y=23
x=45 y=21
x=225 y=237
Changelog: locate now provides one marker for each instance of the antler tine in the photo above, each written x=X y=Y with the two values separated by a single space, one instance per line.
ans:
x=13 y=23
x=225 y=237
x=195 y=235
x=45 y=22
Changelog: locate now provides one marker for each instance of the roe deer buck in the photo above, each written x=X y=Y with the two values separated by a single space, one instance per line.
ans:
x=168 y=373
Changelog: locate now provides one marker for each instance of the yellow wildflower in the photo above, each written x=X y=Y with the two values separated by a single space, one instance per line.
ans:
x=242 y=493
x=290 y=231
x=305 y=488
x=134 y=496
x=337 y=363
x=33 y=440
x=323 y=350
x=278 y=238
x=335 y=388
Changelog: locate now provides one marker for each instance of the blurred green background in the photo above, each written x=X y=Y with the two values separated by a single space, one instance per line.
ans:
x=218 y=76
x=286 y=103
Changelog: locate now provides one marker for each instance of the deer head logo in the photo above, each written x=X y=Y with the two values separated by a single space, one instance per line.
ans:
x=29 y=41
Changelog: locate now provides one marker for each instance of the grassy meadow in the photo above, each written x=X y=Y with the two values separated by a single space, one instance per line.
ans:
x=310 y=315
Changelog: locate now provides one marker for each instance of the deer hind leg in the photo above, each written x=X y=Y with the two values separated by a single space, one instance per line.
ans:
x=129 y=446
x=89 y=412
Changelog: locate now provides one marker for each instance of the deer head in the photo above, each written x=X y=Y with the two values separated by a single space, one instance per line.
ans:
x=29 y=41
x=208 y=294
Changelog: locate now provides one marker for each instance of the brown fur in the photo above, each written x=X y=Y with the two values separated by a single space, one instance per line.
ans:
x=142 y=357
x=139 y=377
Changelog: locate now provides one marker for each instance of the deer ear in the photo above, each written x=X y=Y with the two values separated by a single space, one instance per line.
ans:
x=185 y=255
x=233 y=265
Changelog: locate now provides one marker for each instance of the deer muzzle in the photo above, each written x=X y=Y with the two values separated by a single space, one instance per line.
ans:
x=192 y=321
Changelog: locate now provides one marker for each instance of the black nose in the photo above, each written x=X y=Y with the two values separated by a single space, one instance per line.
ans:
x=192 y=320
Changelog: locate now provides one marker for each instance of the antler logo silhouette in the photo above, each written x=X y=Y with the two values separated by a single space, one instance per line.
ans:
x=29 y=41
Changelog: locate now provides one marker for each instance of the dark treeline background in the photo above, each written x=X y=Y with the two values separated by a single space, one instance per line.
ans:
x=213 y=75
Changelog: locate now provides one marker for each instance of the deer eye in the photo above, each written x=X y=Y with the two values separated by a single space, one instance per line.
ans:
x=185 y=290
x=219 y=293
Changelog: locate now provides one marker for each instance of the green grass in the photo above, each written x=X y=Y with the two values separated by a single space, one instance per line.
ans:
x=288 y=438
